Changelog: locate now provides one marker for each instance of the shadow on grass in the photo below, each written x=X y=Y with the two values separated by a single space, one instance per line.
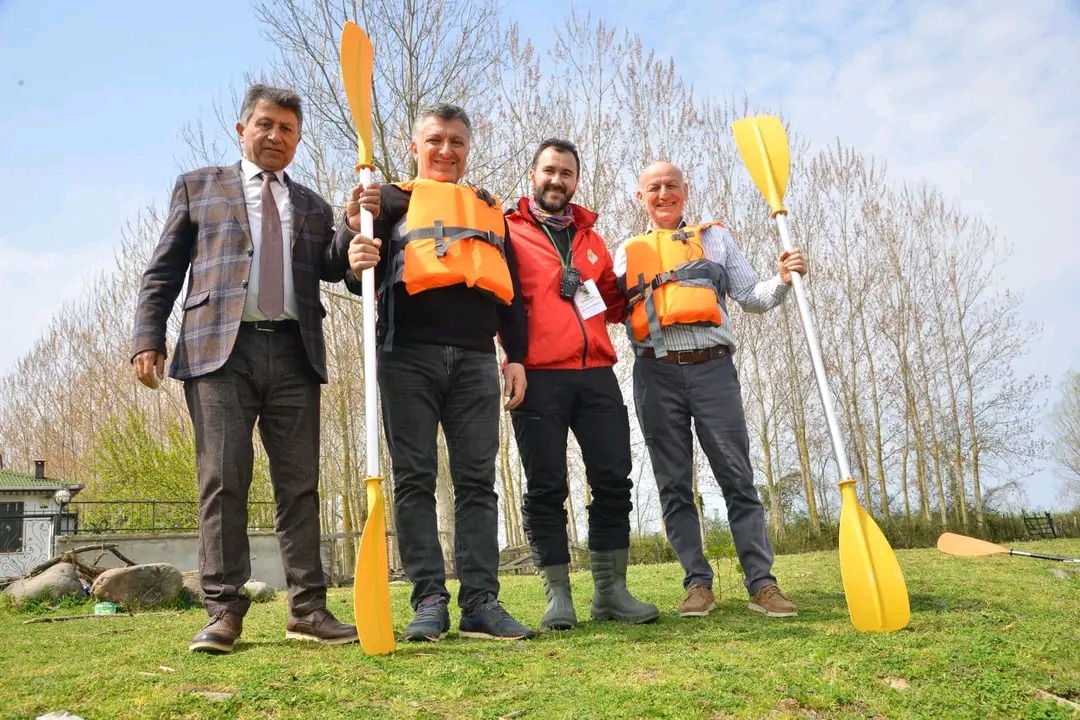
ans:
x=936 y=603
x=828 y=606
x=689 y=630
x=731 y=617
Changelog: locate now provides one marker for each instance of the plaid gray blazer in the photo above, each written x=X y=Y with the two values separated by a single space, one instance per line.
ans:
x=207 y=240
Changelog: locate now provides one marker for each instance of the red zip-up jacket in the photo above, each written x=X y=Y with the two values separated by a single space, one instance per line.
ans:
x=559 y=338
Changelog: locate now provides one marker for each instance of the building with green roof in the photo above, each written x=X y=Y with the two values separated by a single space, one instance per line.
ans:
x=33 y=511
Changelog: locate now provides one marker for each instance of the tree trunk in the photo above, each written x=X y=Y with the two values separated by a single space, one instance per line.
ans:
x=444 y=501
x=799 y=427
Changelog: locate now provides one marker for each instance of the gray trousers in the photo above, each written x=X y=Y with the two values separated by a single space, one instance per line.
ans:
x=268 y=379
x=667 y=397
x=424 y=386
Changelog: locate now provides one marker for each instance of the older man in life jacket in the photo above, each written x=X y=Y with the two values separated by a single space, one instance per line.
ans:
x=448 y=284
x=570 y=292
x=677 y=278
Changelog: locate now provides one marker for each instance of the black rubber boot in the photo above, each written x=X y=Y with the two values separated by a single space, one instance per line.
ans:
x=611 y=600
x=560 y=613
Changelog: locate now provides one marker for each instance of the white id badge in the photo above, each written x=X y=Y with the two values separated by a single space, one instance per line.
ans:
x=588 y=299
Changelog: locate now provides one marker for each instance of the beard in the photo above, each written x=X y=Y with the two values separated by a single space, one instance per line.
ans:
x=551 y=207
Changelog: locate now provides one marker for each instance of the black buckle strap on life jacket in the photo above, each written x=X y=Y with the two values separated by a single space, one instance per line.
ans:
x=444 y=236
x=440 y=242
x=639 y=292
x=664 y=277
x=656 y=334
x=683 y=235
x=683 y=272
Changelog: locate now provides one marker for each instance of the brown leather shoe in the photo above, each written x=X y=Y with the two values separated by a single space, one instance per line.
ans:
x=320 y=626
x=698 y=602
x=219 y=634
x=770 y=601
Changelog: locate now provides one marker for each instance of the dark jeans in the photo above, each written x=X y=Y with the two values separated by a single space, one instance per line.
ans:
x=589 y=403
x=422 y=387
x=268 y=379
x=667 y=397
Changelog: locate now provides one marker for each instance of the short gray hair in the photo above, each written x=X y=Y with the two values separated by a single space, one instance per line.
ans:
x=278 y=96
x=443 y=111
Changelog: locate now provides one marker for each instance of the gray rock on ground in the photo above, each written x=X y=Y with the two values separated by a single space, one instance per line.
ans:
x=258 y=591
x=139 y=585
x=58 y=581
x=255 y=590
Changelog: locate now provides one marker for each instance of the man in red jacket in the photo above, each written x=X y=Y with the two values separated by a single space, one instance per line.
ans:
x=569 y=290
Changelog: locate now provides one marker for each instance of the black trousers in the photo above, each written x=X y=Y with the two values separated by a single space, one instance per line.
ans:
x=423 y=387
x=267 y=379
x=589 y=403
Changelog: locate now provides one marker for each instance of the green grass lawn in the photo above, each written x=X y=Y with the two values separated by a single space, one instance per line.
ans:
x=991 y=637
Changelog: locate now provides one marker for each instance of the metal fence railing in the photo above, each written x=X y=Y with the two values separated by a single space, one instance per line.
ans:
x=150 y=516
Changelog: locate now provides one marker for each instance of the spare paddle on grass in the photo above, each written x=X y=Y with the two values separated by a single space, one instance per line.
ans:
x=964 y=546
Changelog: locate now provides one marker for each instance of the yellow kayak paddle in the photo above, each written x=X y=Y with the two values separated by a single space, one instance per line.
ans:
x=371 y=586
x=964 y=546
x=877 y=597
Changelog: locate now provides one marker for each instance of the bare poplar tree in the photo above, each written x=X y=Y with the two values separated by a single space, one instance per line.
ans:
x=1065 y=421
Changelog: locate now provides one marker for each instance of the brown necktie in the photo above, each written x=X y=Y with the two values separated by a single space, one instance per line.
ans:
x=271 y=264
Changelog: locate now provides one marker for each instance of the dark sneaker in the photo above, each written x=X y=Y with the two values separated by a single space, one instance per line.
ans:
x=432 y=620
x=699 y=601
x=219 y=634
x=490 y=621
x=322 y=627
x=770 y=601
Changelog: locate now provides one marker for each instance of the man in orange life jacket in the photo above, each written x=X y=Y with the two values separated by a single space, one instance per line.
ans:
x=570 y=293
x=677 y=278
x=448 y=284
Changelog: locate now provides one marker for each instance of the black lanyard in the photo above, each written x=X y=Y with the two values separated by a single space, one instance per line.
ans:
x=568 y=259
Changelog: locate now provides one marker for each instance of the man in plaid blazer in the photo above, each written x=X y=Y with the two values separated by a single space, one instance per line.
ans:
x=253 y=246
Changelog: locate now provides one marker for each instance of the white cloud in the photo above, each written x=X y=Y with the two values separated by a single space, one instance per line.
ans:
x=974 y=99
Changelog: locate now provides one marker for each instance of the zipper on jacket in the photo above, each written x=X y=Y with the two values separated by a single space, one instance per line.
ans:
x=584 y=335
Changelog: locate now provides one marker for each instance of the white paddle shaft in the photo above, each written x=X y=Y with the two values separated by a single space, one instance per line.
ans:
x=815 y=355
x=371 y=383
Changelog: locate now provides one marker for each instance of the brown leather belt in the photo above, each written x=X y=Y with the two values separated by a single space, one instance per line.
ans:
x=688 y=357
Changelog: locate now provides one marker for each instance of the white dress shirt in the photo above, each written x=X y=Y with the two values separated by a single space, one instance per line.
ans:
x=253 y=198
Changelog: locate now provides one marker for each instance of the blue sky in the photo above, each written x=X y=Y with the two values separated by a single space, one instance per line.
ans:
x=973 y=97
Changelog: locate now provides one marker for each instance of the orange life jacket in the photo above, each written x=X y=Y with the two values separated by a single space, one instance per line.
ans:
x=453 y=234
x=669 y=282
